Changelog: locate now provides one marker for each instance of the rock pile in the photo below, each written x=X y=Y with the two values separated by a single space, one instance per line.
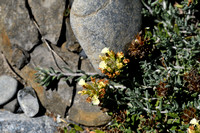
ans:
x=24 y=46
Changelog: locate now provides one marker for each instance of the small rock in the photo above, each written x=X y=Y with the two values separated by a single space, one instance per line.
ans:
x=8 y=88
x=28 y=101
x=12 y=106
x=20 y=57
x=105 y=23
x=20 y=123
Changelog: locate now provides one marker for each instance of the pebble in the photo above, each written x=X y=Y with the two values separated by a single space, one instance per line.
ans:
x=8 y=88
x=28 y=101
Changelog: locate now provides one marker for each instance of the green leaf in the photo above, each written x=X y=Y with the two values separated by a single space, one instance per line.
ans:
x=72 y=130
x=59 y=76
x=99 y=131
x=46 y=80
x=68 y=78
x=76 y=127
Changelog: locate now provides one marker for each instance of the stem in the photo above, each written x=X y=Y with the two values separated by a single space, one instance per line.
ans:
x=73 y=74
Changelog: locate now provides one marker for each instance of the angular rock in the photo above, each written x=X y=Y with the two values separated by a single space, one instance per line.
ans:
x=8 y=88
x=61 y=95
x=12 y=106
x=49 y=16
x=20 y=57
x=105 y=23
x=20 y=123
x=28 y=101
x=15 y=20
x=87 y=114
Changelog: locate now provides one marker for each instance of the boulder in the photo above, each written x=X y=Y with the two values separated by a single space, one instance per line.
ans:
x=8 y=88
x=49 y=16
x=15 y=20
x=85 y=113
x=12 y=106
x=20 y=123
x=105 y=23
x=28 y=101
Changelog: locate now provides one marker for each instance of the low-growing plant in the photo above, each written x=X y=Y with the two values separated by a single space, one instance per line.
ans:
x=156 y=87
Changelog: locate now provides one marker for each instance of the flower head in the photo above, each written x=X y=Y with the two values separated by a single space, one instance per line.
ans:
x=95 y=100
x=120 y=55
x=101 y=85
x=105 y=50
x=102 y=65
x=83 y=92
x=119 y=65
x=81 y=82
x=194 y=121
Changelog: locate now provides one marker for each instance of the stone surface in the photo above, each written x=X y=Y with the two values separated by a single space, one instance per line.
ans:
x=12 y=106
x=71 y=41
x=19 y=123
x=20 y=57
x=16 y=22
x=28 y=101
x=85 y=113
x=40 y=56
x=49 y=16
x=58 y=98
x=8 y=88
x=105 y=23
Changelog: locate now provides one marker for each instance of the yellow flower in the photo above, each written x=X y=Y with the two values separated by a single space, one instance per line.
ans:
x=81 y=82
x=109 y=69
x=194 y=121
x=119 y=65
x=95 y=100
x=101 y=85
x=83 y=92
x=190 y=131
x=105 y=50
x=102 y=65
x=120 y=55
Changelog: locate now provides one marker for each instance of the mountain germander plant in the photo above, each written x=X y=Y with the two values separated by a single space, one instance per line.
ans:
x=156 y=87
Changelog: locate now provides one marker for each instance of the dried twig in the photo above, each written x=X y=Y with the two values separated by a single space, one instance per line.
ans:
x=49 y=47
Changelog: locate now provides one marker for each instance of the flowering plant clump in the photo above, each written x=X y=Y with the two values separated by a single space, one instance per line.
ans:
x=158 y=92
x=112 y=64
x=95 y=90
x=194 y=127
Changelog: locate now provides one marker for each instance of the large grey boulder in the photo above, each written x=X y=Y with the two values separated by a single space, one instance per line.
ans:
x=105 y=23
x=28 y=101
x=49 y=16
x=16 y=22
x=20 y=123
x=8 y=88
